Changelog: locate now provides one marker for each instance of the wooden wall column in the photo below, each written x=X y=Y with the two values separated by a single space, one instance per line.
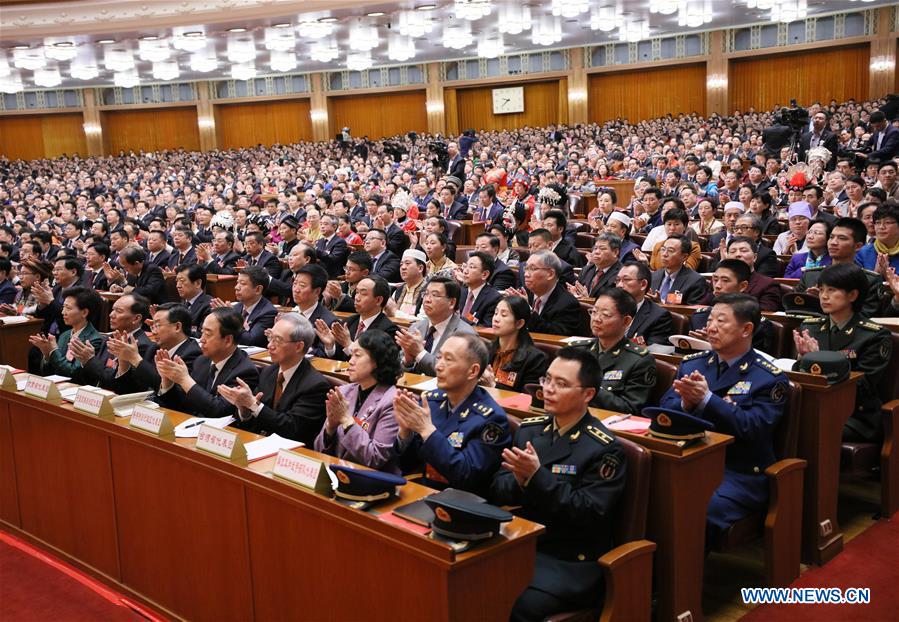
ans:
x=93 y=123
x=319 y=110
x=434 y=101
x=577 y=87
x=716 y=76
x=882 y=72
x=206 y=118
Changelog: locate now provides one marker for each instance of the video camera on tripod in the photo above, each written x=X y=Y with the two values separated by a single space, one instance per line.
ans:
x=790 y=123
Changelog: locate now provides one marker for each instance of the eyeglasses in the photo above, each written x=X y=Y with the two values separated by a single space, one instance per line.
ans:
x=625 y=279
x=534 y=268
x=278 y=341
x=604 y=316
x=549 y=381
x=433 y=295
x=743 y=227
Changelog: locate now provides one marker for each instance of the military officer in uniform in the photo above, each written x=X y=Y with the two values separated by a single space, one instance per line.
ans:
x=846 y=239
x=566 y=471
x=628 y=371
x=458 y=431
x=743 y=395
x=842 y=289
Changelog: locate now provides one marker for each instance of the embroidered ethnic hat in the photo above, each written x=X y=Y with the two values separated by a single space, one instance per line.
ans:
x=362 y=485
x=833 y=365
x=675 y=425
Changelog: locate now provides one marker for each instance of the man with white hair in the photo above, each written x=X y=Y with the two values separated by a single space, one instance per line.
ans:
x=289 y=399
x=554 y=309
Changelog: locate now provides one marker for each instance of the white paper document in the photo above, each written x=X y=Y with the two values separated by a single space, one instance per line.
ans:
x=14 y=319
x=251 y=350
x=269 y=446
x=427 y=385
x=190 y=428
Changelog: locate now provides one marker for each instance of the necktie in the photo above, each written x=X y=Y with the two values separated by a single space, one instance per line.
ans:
x=360 y=329
x=279 y=388
x=429 y=340
x=538 y=306
x=596 y=278
x=245 y=316
x=722 y=368
x=468 y=304
x=212 y=376
x=666 y=287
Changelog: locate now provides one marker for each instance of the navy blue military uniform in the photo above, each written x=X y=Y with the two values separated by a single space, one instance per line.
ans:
x=762 y=336
x=574 y=494
x=466 y=449
x=747 y=401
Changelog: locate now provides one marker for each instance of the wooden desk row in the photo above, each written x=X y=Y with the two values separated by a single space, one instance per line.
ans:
x=682 y=482
x=201 y=538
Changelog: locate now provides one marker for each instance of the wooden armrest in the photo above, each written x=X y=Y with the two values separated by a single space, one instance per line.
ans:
x=783 y=467
x=628 y=576
x=891 y=408
x=889 y=461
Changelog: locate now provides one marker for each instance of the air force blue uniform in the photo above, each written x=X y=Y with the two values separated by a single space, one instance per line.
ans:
x=466 y=449
x=747 y=401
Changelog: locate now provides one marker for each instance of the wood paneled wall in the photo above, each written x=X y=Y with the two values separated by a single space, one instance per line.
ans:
x=379 y=115
x=266 y=123
x=473 y=107
x=817 y=75
x=30 y=137
x=150 y=130
x=647 y=93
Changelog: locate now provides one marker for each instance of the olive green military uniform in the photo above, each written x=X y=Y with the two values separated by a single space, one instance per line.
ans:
x=628 y=377
x=868 y=347
x=873 y=301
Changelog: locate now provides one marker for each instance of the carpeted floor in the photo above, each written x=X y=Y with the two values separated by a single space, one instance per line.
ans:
x=869 y=560
x=35 y=587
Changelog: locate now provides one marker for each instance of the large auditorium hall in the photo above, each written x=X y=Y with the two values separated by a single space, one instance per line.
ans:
x=449 y=310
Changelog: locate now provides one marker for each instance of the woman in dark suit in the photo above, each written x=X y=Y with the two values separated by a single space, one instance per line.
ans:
x=360 y=426
x=514 y=360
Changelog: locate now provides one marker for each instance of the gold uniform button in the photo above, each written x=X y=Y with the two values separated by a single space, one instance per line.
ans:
x=581 y=557
x=755 y=469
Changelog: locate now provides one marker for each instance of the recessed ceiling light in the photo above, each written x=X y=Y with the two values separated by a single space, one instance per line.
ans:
x=376 y=14
x=327 y=20
x=105 y=40
x=193 y=34
x=237 y=30
x=150 y=38
x=63 y=44
x=19 y=47
x=285 y=25
x=426 y=7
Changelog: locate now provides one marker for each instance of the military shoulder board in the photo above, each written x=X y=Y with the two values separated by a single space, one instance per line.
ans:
x=599 y=435
x=870 y=325
x=696 y=355
x=814 y=320
x=534 y=420
x=772 y=368
x=484 y=410
x=636 y=349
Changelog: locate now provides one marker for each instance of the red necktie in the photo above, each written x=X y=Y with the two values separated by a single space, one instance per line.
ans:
x=596 y=279
x=468 y=305
x=538 y=305
x=360 y=329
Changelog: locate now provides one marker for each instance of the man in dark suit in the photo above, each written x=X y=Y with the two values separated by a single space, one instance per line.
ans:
x=223 y=259
x=819 y=136
x=257 y=312
x=488 y=208
x=503 y=276
x=539 y=240
x=331 y=249
x=456 y=165
x=256 y=255
x=555 y=222
x=142 y=278
x=222 y=363
x=674 y=282
x=478 y=299
x=601 y=269
x=567 y=471
x=555 y=310
x=185 y=253
x=308 y=285
x=106 y=367
x=339 y=296
x=157 y=253
x=372 y=294
x=766 y=262
x=884 y=142
x=763 y=288
x=94 y=277
x=450 y=208
x=171 y=327
x=396 y=239
x=292 y=404
x=190 y=281
x=652 y=324
x=384 y=263
x=67 y=272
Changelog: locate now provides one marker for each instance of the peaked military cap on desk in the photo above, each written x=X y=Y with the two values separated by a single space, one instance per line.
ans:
x=676 y=425
x=466 y=520
x=362 y=485
x=802 y=304
x=834 y=366
x=686 y=342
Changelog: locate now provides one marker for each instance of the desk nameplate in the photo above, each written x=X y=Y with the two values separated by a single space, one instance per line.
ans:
x=94 y=403
x=42 y=388
x=303 y=471
x=222 y=443
x=151 y=420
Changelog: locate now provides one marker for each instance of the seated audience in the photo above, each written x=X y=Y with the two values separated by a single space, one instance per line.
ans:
x=478 y=298
x=57 y=357
x=816 y=251
x=514 y=359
